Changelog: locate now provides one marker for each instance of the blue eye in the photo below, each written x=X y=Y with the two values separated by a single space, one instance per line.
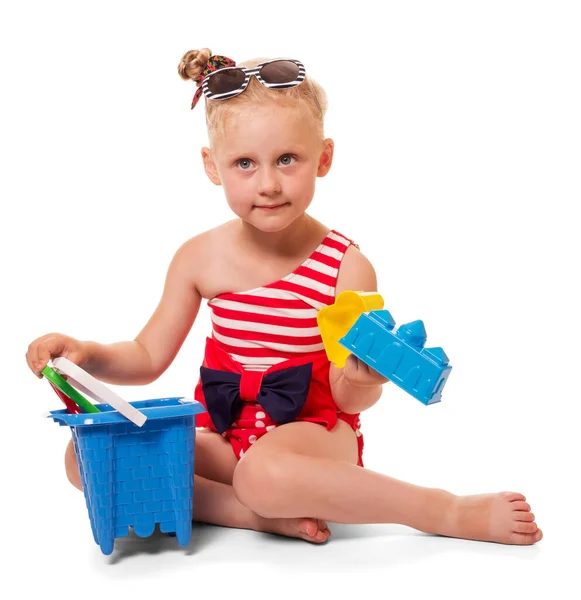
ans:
x=286 y=159
x=244 y=163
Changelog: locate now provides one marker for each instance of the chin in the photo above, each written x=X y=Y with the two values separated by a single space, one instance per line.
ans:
x=272 y=224
x=273 y=227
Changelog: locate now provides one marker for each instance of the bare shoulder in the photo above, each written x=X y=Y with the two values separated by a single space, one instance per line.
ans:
x=356 y=273
x=199 y=261
x=206 y=241
x=196 y=253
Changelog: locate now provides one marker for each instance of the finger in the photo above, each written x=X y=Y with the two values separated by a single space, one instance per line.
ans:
x=74 y=357
x=376 y=376
x=355 y=371
x=51 y=348
x=369 y=376
x=350 y=370
x=32 y=354
x=29 y=362
x=368 y=372
x=353 y=362
x=32 y=357
x=379 y=378
x=42 y=358
x=42 y=350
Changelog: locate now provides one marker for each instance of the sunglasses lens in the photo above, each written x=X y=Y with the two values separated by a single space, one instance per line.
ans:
x=280 y=71
x=226 y=80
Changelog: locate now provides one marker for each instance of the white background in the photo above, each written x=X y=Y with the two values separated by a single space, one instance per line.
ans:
x=457 y=169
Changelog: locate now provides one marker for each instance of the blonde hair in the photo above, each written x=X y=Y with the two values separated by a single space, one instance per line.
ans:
x=218 y=112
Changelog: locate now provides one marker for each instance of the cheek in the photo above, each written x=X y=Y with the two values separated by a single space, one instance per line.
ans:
x=305 y=177
x=302 y=186
x=236 y=191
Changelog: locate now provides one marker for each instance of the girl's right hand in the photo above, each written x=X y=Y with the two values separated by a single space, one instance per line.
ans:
x=53 y=345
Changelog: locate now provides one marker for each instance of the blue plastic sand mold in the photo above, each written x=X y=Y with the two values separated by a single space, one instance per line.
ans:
x=399 y=355
x=136 y=476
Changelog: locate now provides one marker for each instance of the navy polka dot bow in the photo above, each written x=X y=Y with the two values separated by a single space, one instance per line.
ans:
x=282 y=394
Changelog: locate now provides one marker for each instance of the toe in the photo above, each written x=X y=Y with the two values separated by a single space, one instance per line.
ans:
x=312 y=531
x=309 y=527
x=522 y=527
x=526 y=539
x=518 y=505
x=512 y=496
x=320 y=536
x=520 y=515
x=323 y=527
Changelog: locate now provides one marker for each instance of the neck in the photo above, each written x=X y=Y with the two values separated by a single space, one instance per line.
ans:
x=288 y=242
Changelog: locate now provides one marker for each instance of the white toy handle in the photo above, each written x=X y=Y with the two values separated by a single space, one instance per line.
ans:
x=96 y=390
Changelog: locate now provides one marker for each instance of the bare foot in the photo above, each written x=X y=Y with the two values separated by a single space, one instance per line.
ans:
x=505 y=518
x=311 y=530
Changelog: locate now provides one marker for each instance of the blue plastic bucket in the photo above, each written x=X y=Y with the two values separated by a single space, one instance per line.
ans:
x=136 y=476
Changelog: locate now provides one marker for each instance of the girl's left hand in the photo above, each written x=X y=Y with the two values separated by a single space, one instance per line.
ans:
x=356 y=372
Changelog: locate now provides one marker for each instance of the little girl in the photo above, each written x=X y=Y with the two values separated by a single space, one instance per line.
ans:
x=279 y=448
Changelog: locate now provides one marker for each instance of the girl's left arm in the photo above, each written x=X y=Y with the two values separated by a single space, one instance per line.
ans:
x=356 y=386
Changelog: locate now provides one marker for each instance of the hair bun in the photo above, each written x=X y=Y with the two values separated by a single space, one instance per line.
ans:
x=193 y=63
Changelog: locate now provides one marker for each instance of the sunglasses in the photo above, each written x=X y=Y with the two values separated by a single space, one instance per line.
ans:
x=277 y=73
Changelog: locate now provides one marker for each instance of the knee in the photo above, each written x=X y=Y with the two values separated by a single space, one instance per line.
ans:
x=262 y=482
x=72 y=466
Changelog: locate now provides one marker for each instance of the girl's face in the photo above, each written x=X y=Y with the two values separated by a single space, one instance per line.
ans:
x=267 y=160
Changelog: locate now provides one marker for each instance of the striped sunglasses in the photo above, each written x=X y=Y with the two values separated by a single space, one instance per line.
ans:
x=278 y=73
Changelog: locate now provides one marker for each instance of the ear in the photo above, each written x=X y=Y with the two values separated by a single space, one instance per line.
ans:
x=210 y=166
x=326 y=158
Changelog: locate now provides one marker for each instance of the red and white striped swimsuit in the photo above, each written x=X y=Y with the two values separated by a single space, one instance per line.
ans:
x=275 y=327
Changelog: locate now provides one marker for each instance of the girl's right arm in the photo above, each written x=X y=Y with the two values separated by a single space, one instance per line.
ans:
x=145 y=358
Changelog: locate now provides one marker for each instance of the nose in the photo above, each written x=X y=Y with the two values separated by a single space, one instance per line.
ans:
x=269 y=183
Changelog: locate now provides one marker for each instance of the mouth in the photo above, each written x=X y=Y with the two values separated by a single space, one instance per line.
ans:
x=269 y=207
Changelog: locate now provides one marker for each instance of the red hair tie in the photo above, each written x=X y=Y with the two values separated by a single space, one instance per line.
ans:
x=214 y=63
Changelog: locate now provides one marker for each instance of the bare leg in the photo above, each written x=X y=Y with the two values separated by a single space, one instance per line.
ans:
x=217 y=504
x=215 y=501
x=71 y=466
x=293 y=462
